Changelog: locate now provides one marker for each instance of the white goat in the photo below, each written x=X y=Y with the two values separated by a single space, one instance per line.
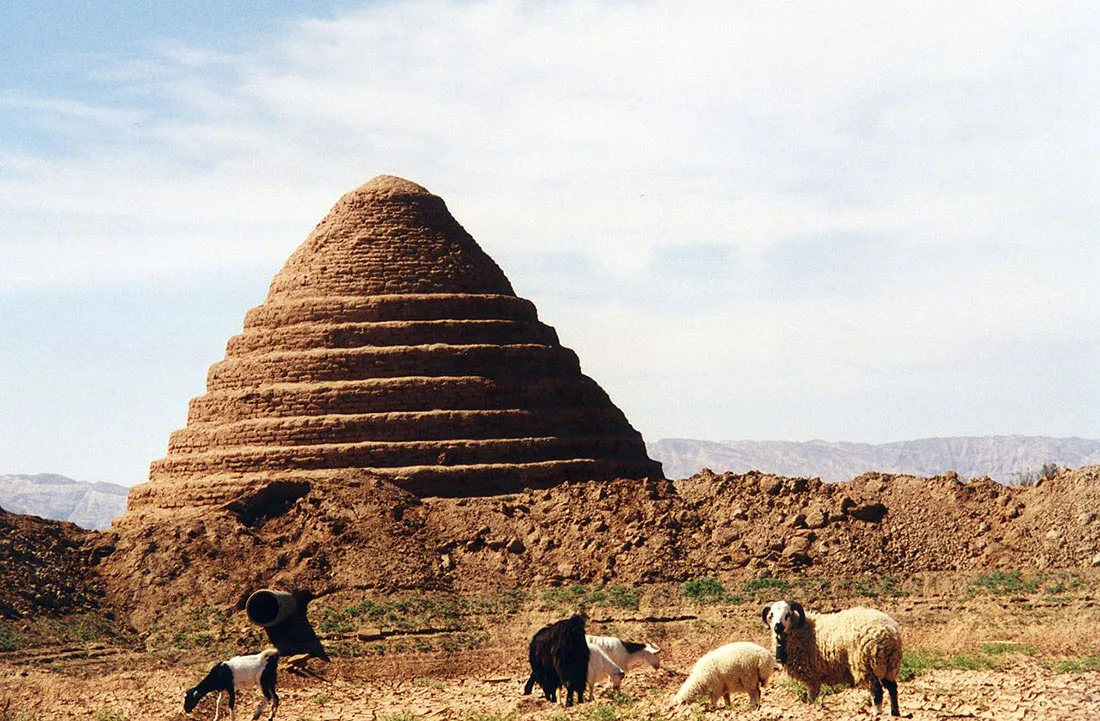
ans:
x=859 y=647
x=739 y=667
x=600 y=666
x=626 y=654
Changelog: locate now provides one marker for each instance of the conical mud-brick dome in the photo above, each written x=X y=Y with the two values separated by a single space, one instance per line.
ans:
x=390 y=343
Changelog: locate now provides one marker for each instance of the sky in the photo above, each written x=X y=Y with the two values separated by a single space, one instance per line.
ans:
x=848 y=221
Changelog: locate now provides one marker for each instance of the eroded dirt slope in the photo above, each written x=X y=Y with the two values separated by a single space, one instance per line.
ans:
x=364 y=533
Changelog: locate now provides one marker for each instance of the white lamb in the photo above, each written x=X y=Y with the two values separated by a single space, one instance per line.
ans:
x=600 y=666
x=626 y=654
x=739 y=667
x=859 y=647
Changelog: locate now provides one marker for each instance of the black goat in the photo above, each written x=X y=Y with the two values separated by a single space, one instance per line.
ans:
x=239 y=672
x=559 y=657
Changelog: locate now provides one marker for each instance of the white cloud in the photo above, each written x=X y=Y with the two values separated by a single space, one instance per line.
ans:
x=861 y=191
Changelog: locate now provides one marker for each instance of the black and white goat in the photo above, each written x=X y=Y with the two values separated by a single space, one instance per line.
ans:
x=259 y=669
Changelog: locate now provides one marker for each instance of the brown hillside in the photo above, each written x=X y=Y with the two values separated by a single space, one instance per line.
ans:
x=45 y=568
x=365 y=533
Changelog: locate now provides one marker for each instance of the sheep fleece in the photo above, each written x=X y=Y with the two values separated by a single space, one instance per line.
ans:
x=853 y=644
x=736 y=667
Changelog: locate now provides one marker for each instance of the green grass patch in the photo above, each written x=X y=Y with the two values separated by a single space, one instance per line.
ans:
x=800 y=692
x=411 y=613
x=600 y=712
x=1003 y=583
x=619 y=698
x=1000 y=648
x=814 y=585
x=580 y=595
x=624 y=596
x=403 y=715
x=106 y=714
x=489 y=716
x=916 y=661
x=425 y=682
x=707 y=590
x=11 y=639
x=1074 y=664
x=1062 y=583
x=758 y=587
x=887 y=586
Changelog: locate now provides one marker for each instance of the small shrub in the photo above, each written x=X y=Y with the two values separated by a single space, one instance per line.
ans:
x=553 y=598
x=624 y=596
x=767 y=587
x=705 y=590
x=513 y=599
x=10 y=638
x=1064 y=583
x=1003 y=583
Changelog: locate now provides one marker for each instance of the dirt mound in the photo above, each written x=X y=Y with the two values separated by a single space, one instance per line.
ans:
x=360 y=532
x=45 y=568
x=352 y=531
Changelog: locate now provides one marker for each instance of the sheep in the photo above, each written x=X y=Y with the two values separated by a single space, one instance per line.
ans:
x=559 y=657
x=736 y=667
x=858 y=646
x=626 y=654
x=237 y=673
x=600 y=666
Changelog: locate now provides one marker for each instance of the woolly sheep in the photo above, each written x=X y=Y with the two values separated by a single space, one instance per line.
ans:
x=740 y=667
x=600 y=666
x=626 y=654
x=858 y=646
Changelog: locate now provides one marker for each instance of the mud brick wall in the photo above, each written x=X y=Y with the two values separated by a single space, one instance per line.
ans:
x=391 y=344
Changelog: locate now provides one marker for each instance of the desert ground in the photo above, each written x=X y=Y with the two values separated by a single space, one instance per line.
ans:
x=993 y=645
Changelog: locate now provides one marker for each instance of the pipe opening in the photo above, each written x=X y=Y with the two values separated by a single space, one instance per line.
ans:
x=262 y=607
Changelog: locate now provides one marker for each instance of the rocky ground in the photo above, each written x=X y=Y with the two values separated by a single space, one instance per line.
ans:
x=986 y=655
x=45 y=567
x=362 y=533
x=426 y=604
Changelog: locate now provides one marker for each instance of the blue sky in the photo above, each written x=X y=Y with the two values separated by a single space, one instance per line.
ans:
x=850 y=221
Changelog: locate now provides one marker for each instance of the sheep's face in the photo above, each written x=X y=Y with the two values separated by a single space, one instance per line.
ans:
x=781 y=617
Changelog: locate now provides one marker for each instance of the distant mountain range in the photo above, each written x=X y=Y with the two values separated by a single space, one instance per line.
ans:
x=90 y=505
x=1003 y=458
